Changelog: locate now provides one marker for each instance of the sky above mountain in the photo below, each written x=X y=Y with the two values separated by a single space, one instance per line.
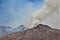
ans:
x=16 y=12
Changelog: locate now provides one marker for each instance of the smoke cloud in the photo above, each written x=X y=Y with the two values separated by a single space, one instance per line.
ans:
x=16 y=12
x=48 y=15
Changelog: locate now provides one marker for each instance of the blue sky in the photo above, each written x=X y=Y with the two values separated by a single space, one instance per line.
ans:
x=16 y=12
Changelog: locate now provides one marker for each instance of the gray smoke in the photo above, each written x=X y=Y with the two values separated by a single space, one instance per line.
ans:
x=48 y=15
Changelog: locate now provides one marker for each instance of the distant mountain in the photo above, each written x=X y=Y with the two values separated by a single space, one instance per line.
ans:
x=20 y=28
x=9 y=30
x=5 y=30
x=40 y=32
x=2 y=30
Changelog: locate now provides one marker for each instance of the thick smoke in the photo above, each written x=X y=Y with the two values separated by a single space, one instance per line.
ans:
x=48 y=15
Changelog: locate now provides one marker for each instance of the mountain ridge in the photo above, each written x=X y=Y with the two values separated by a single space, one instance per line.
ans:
x=9 y=30
x=40 y=32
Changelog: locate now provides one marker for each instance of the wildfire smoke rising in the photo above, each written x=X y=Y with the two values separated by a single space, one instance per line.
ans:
x=49 y=11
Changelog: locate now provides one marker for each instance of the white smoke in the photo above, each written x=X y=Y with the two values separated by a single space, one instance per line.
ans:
x=48 y=15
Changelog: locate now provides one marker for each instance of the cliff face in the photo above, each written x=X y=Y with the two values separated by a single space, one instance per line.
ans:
x=40 y=32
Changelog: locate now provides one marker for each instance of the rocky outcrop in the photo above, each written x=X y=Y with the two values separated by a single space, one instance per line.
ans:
x=40 y=32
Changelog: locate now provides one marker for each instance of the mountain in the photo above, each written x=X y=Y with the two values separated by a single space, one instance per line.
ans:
x=40 y=32
x=20 y=28
x=5 y=30
x=2 y=30
x=9 y=30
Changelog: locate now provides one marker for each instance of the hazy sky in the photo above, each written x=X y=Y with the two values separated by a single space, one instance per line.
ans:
x=16 y=12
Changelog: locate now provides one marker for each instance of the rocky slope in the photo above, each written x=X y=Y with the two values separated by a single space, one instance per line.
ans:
x=41 y=32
